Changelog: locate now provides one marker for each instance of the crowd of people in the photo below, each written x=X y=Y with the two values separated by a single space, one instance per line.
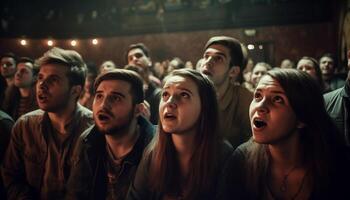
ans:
x=222 y=129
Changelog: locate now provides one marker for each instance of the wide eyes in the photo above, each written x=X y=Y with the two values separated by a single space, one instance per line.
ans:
x=277 y=99
x=111 y=98
x=258 y=96
x=181 y=95
x=215 y=58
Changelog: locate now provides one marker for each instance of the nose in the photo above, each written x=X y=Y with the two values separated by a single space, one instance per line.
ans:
x=105 y=103
x=172 y=101
x=208 y=63
x=262 y=106
x=43 y=84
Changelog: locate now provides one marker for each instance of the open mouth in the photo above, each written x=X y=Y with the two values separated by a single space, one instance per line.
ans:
x=103 y=117
x=169 y=116
x=258 y=123
x=42 y=97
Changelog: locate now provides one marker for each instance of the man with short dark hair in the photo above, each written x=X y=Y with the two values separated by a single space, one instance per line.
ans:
x=7 y=70
x=138 y=55
x=38 y=158
x=22 y=95
x=109 y=151
x=328 y=68
x=222 y=60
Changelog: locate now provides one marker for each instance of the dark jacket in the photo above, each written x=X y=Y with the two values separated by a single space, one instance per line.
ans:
x=233 y=184
x=24 y=163
x=334 y=103
x=89 y=174
x=6 y=123
x=140 y=188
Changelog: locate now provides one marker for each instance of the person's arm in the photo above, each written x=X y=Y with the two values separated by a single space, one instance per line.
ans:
x=13 y=167
x=5 y=133
x=139 y=188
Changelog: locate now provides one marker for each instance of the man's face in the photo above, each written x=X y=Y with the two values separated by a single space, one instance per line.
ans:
x=8 y=67
x=327 y=66
x=24 y=77
x=53 y=90
x=113 y=107
x=137 y=57
x=216 y=63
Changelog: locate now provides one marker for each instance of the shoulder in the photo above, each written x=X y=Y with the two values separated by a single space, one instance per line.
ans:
x=34 y=117
x=333 y=96
x=5 y=116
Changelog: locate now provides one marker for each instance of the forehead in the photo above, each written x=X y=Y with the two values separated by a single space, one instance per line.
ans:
x=135 y=51
x=218 y=49
x=326 y=58
x=25 y=65
x=7 y=59
x=260 y=68
x=114 y=86
x=267 y=82
x=305 y=62
x=180 y=81
x=54 y=69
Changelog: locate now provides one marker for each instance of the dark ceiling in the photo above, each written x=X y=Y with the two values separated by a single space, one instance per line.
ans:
x=103 y=18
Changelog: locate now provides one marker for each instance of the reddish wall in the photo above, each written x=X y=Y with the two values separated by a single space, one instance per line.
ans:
x=288 y=41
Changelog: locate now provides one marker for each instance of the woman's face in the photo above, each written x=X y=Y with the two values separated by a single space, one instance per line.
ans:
x=257 y=73
x=308 y=67
x=180 y=105
x=271 y=116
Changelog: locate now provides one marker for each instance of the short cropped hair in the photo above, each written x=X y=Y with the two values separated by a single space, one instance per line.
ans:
x=9 y=55
x=233 y=45
x=141 y=46
x=125 y=75
x=69 y=58
x=35 y=68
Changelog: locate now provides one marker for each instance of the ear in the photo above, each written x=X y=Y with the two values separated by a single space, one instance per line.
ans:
x=76 y=90
x=234 y=72
x=143 y=109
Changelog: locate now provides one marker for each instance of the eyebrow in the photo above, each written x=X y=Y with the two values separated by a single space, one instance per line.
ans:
x=181 y=88
x=114 y=93
x=217 y=53
x=273 y=91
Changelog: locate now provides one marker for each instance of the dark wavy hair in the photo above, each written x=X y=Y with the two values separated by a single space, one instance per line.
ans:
x=164 y=170
x=319 y=138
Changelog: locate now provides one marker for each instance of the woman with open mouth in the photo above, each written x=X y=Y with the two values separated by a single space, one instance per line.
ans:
x=187 y=155
x=295 y=151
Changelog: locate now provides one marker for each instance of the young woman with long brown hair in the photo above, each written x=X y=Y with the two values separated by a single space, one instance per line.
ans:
x=295 y=152
x=187 y=155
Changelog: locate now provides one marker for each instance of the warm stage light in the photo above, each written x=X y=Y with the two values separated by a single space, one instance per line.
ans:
x=94 y=41
x=50 y=43
x=250 y=46
x=73 y=43
x=23 y=42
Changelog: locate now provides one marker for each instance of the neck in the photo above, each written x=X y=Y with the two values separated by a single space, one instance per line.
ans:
x=222 y=87
x=61 y=118
x=9 y=81
x=327 y=77
x=287 y=154
x=122 y=143
x=25 y=92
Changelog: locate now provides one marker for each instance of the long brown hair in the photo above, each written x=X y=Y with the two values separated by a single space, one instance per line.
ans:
x=164 y=166
x=319 y=137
